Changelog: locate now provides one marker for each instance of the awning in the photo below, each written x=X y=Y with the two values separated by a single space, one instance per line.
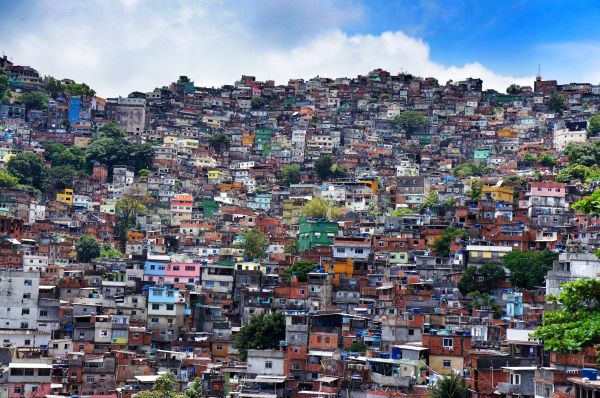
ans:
x=29 y=365
x=327 y=379
x=147 y=378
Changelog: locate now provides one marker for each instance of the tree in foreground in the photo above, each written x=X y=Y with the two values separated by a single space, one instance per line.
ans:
x=300 y=268
x=323 y=166
x=528 y=270
x=589 y=205
x=452 y=386
x=88 y=248
x=7 y=180
x=576 y=324
x=263 y=331
x=253 y=243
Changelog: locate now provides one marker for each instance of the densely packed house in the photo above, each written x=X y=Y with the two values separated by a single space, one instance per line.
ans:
x=387 y=230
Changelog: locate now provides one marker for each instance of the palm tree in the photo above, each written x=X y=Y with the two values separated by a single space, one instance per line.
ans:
x=452 y=386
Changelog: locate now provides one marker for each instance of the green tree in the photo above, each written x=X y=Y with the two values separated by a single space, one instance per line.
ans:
x=54 y=87
x=127 y=210
x=112 y=130
x=253 y=243
x=575 y=325
x=481 y=279
x=547 y=160
x=593 y=127
x=432 y=200
x=87 y=248
x=443 y=243
x=556 y=103
x=383 y=97
x=63 y=176
x=589 y=205
x=109 y=251
x=338 y=171
x=401 y=211
x=476 y=188
x=452 y=386
x=530 y=158
x=77 y=89
x=584 y=154
x=470 y=170
x=256 y=103
x=528 y=269
x=291 y=174
x=263 y=331
x=4 y=89
x=300 y=268
x=7 y=180
x=411 y=122
x=218 y=142
x=323 y=166
x=165 y=386
x=579 y=172
x=291 y=248
x=29 y=169
x=356 y=346
x=320 y=208
x=34 y=100
x=513 y=89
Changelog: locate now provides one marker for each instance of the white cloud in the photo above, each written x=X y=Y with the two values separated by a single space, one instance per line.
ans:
x=122 y=47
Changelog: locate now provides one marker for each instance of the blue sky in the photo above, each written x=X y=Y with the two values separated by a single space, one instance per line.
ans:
x=121 y=46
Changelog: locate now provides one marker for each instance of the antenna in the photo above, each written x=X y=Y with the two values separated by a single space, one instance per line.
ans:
x=539 y=74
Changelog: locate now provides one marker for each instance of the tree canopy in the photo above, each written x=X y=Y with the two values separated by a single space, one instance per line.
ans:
x=300 y=268
x=35 y=100
x=576 y=324
x=166 y=386
x=29 y=169
x=323 y=166
x=320 y=208
x=556 y=103
x=218 y=142
x=584 y=154
x=528 y=269
x=590 y=205
x=513 y=89
x=88 y=248
x=411 y=122
x=253 y=243
x=7 y=180
x=291 y=174
x=452 y=386
x=593 y=127
x=481 y=279
x=263 y=331
x=443 y=243
x=471 y=170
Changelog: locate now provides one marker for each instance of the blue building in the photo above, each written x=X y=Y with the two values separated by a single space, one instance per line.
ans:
x=74 y=109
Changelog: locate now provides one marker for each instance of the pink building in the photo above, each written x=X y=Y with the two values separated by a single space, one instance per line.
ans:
x=182 y=273
x=548 y=189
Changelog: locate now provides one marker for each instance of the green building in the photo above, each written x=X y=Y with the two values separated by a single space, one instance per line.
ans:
x=315 y=232
x=262 y=140
x=209 y=207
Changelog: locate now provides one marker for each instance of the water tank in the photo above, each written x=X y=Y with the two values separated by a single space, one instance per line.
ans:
x=589 y=373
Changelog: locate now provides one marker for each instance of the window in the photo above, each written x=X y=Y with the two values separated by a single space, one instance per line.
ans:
x=17 y=389
x=43 y=312
x=29 y=372
x=28 y=282
x=190 y=268
x=43 y=372
x=447 y=363
x=268 y=364
x=155 y=306
x=448 y=343
x=26 y=295
x=176 y=268
x=24 y=325
x=219 y=347
x=25 y=311
x=27 y=342
x=295 y=367
x=103 y=333
x=170 y=307
x=89 y=379
x=515 y=378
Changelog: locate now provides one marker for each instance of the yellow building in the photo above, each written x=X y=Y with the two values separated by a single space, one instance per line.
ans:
x=214 y=174
x=340 y=268
x=499 y=194
x=65 y=197
x=248 y=139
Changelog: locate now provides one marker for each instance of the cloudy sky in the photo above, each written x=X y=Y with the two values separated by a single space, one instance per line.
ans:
x=118 y=46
